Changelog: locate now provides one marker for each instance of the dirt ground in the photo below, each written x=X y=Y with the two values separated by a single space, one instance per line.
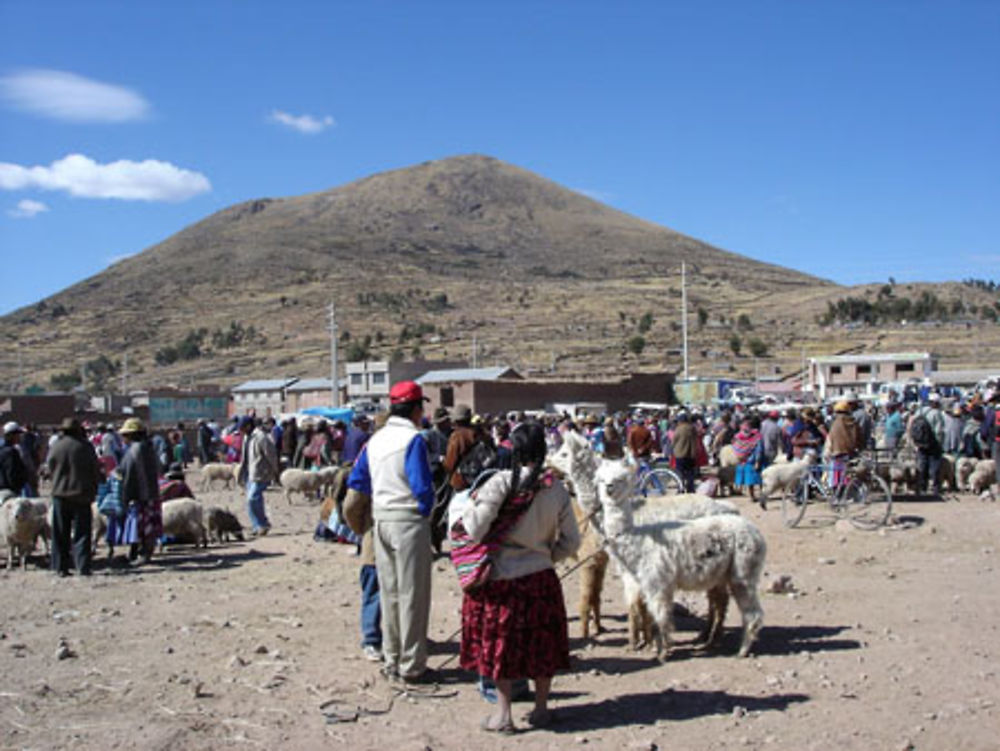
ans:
x=889 y=642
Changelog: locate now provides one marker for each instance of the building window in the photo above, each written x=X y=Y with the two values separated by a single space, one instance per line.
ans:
x=864 y=370
x=447 y=396
x=378 y=379
x=355 y=379
x=904 y=367
x=834 y=370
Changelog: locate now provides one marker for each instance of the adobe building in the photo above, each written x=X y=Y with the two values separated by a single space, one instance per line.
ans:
x=501 y=389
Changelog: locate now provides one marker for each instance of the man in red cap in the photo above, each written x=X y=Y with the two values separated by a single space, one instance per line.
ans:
x=393 y=468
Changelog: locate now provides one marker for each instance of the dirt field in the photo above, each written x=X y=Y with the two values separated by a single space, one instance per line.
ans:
x=889 y=643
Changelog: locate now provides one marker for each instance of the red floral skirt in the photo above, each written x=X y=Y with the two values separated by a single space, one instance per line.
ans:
x=515 y=628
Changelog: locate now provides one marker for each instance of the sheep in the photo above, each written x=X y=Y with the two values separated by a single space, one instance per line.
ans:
x=963 y=470
x=222 y=524
x=183 y=519
x=904 y=474
x=727 y=479
x=301 y=481
x=710 y=552
x=946 y=472
x=784 y=477
x=331 y=479
x=983 y=476
x=22 y=522
x=219 y=471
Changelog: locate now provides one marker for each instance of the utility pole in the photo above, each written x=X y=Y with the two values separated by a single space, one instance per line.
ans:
x=475 y=352
x=20 y=370
x=334 y=387
x=684 y=315
x=125 y=374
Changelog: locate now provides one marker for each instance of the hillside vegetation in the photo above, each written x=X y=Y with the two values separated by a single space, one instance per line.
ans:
x=428 y=260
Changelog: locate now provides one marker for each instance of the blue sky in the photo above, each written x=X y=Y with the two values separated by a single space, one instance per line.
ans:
x=851 y=140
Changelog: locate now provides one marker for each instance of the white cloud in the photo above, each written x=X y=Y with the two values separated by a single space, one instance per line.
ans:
x=302 y=123
x=78 y=175
x=67 y=96
x=27 y=209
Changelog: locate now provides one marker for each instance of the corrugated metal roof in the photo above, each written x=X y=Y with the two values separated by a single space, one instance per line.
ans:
x=466 y=374
x=265 y=385
x=864 y=357
x=310 y=384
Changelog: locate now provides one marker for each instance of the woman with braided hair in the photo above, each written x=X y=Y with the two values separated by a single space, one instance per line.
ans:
x=514 y=625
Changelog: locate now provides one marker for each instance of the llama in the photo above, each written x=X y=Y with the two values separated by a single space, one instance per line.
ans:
x=595 y=560
x=578 y=463
x=724 y=550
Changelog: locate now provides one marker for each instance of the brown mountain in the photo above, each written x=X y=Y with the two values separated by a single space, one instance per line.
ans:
x=419 y=260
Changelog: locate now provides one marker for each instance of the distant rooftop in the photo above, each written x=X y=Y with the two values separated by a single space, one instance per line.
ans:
x=863 y=357
x=265 y=385
x=468 y=374
x=313 y=384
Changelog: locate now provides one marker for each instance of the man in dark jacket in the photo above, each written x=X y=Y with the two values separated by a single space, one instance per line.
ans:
x=75 y=475
x=13 y=473
x=686 y=451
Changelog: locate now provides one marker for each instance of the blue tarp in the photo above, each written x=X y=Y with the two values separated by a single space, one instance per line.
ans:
x=331 y=414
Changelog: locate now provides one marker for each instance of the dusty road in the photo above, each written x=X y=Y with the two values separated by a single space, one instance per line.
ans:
x=890 y=642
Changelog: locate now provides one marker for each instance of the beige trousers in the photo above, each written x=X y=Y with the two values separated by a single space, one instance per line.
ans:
x=403 y=559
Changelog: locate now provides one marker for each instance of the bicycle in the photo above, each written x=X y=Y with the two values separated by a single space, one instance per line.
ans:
x=862 y=496
x=655 y=481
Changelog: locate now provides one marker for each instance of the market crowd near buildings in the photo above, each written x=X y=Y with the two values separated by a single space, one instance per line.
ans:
x=387 y=467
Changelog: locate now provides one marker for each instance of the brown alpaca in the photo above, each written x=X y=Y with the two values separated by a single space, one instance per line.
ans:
x=591 y=573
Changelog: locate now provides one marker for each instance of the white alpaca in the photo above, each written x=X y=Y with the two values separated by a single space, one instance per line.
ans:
x=578 y=463
x=665 y=509
x=704 y=554
x=782 y=477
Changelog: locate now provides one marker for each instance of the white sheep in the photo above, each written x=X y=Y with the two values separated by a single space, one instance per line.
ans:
x=704 y=554
x=963 y=470
x=301 y=481
x=784 y=477
x=184 y=519
x=329 y=479
x=983 y=476
x=22 y=522
x=219 y=471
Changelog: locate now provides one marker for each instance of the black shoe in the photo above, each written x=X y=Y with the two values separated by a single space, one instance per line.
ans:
x=428 y=677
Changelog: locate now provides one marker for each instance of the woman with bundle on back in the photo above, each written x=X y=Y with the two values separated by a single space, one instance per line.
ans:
x=514 y=624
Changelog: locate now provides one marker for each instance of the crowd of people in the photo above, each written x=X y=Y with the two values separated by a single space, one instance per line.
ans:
x=402 y=472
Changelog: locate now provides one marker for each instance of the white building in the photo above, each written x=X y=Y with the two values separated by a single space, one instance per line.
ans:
x=266 y=398
x=864 y=373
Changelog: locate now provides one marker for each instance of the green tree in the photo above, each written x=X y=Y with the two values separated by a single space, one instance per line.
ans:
x=645 y=323
x=702 y=317
x=757 y=347
x=636 y=345
x=743 y=322
x=735 y=344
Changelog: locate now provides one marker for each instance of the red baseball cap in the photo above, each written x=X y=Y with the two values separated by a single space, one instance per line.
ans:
x=406 y=391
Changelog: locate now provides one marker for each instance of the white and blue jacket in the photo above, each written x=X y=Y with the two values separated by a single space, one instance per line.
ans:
x=393 y=469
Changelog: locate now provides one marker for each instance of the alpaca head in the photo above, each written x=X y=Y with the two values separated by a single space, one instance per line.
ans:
x=615 y=483
x=580 y=464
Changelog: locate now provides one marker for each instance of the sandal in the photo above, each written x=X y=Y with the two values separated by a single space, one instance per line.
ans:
x=506 y=728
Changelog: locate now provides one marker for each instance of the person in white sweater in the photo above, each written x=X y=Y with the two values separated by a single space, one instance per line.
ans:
x=394 y=470
x=514 y=625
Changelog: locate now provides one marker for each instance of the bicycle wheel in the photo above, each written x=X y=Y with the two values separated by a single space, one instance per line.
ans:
x=660 y=482
x=795 y=500
x=870 y=508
